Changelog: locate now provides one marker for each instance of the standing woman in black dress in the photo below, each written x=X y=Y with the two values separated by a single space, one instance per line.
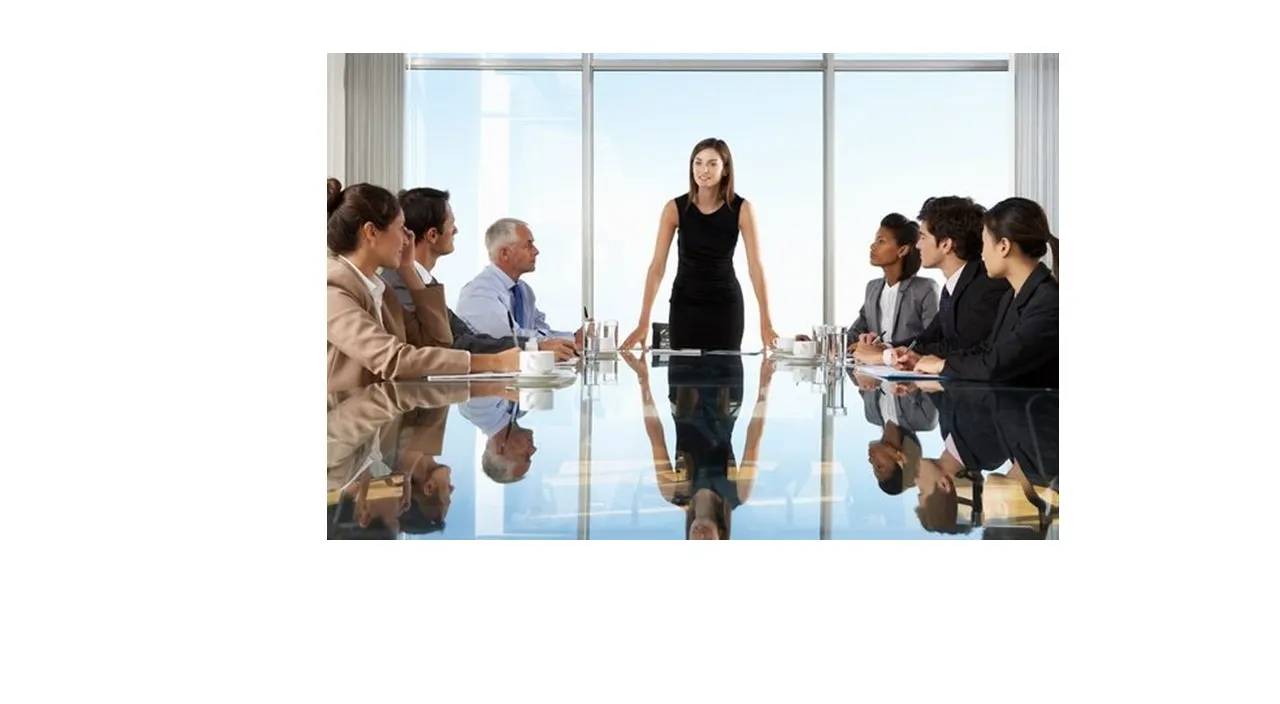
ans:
x=706 y=299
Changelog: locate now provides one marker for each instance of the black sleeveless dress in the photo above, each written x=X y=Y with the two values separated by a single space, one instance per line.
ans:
x=706 y=396
x=706 y=299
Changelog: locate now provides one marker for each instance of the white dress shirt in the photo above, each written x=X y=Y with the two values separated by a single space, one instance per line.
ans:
x=888 y=404
x=375 y=285
x=888 y=307
x=427 y=278
x=951 y=447
x=955 y=279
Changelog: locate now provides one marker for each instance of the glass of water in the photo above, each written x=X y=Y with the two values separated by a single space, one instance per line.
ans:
x=590 y=338
x=608 y=342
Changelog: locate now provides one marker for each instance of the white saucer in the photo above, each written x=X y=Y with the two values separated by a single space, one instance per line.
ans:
x=557 y=378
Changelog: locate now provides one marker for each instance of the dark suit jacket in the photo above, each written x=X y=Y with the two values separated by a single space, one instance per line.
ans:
x=464 y=338
x=969 y=319
x=1028 y=425
x=967 y=414
x=1022 y=349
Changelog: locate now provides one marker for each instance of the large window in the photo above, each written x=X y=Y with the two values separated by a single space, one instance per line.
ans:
x=646 y=124
x=504 y=143
x=709 y=57
x=903 y=137
x=923 y=57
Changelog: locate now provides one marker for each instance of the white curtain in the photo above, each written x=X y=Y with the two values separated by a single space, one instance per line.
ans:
x=337 y=124
x=1035 y=143
x=375 y=119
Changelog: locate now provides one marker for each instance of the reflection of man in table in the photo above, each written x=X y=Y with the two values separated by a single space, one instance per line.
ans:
x=971 y=446
x=508 y=454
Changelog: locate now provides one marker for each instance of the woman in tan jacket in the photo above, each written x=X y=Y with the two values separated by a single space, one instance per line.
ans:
x=366 y=325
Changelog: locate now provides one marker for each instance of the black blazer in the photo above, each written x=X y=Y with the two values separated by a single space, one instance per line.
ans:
x=969 y=319
x=966 y=414
x=1022 y=349
x=1028 y=425
x=464 y=338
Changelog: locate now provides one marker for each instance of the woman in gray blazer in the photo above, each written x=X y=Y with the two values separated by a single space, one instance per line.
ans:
x=899 y=305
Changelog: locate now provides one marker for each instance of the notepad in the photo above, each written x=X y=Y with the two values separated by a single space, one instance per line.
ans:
x=881 y=371
x=676 y=353
x=474 y=375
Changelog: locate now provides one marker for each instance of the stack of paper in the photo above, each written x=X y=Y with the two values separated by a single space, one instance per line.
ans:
x=473 y=375
x=881 y=371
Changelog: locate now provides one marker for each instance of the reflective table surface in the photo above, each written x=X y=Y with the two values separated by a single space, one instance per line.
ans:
x=711 y=447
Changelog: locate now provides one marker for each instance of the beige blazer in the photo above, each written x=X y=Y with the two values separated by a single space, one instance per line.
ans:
x=362 y=352
x=382 y=410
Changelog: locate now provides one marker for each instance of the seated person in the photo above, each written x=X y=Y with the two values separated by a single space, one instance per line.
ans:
x=509 y=448
x=366 y=328
x=899 y=305
x=950 y=240
x=1022 y=348
x=900 y=412
x=429 y=216
x=496 y=296
x=971 y=447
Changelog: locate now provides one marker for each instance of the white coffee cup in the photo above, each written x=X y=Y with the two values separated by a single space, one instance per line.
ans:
x=540 y=362
x=536 y=400
x=805 y=348
x=785 y=344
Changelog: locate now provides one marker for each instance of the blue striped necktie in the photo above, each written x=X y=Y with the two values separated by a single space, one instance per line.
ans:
x=517 y=304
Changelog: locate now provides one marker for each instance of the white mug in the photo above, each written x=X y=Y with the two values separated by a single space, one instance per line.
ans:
x=805 y=348
x=540 y=362
x=536 y=400
x=785 y=344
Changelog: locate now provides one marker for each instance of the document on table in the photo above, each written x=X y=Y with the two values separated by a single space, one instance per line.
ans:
x=881 y=371
x=473 y=375
x=676 y=353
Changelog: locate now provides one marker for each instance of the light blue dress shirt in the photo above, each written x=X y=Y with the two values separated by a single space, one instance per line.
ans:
x=487 y=299
x=490 y=414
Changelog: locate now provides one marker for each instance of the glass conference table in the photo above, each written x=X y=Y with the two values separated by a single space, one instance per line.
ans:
x=667 y=447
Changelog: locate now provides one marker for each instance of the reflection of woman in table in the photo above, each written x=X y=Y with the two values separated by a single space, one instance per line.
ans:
x=706 y=479
x=1027 y=423
x=901 y=413
x=383 y=477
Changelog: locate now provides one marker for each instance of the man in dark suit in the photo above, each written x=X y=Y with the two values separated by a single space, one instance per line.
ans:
x=428 y=215
x=951 y=240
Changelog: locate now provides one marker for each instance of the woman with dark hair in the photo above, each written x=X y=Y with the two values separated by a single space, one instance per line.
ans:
x=366 y=327
x=899 y=305
x=706 y=479
x=706 y=299
x=1022 y=349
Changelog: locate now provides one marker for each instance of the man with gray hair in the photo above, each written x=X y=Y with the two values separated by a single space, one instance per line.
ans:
x=497 y=296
